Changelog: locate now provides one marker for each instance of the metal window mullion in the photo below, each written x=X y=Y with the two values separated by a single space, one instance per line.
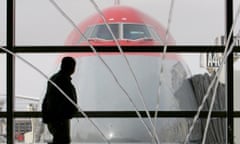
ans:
x=229 y=72
x=82 y=49
x=10 y=67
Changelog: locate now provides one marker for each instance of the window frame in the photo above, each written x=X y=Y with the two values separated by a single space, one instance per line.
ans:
x=10 y=114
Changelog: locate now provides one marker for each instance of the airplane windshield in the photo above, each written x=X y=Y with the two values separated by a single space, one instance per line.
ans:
x=121 y=31
x=135 y=31
x=102 y=32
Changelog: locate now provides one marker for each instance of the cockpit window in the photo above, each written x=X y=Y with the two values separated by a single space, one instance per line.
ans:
x=121 y=31
x=102 y=32
x=135 y=31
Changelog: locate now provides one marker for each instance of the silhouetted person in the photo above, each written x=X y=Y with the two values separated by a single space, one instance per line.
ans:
x=57 y=110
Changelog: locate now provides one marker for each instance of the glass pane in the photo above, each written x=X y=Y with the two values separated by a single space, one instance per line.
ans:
x=236 y=60
x=30 y=83
x=236 y=130
x=237 y=27
x=192 y=21
x=3 y=17
x=112 y=86
x=132 y=130
x=3 y=131
x=2 y=82
x=98 y=90
x=204 y=67
x=236 y=81
x=196 y=22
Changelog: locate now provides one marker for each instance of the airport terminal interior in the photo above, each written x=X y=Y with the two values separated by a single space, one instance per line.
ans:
x=147 y=71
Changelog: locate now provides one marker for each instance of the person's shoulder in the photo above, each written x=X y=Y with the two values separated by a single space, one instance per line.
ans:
x=60 y=77
x=55 y=76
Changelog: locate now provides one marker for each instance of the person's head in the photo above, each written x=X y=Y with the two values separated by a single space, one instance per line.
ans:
x=68 y=65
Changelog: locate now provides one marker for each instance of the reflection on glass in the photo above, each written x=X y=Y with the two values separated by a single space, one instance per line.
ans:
x=236 y=81
x=2 y=82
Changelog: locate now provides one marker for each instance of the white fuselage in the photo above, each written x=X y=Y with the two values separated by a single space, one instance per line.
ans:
x=102 y=90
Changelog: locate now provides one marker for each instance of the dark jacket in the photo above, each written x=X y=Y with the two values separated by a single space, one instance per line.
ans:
x=55 y=105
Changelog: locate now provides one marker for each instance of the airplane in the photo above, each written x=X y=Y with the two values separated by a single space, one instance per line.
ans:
x=98 y=91
x=129 y=26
